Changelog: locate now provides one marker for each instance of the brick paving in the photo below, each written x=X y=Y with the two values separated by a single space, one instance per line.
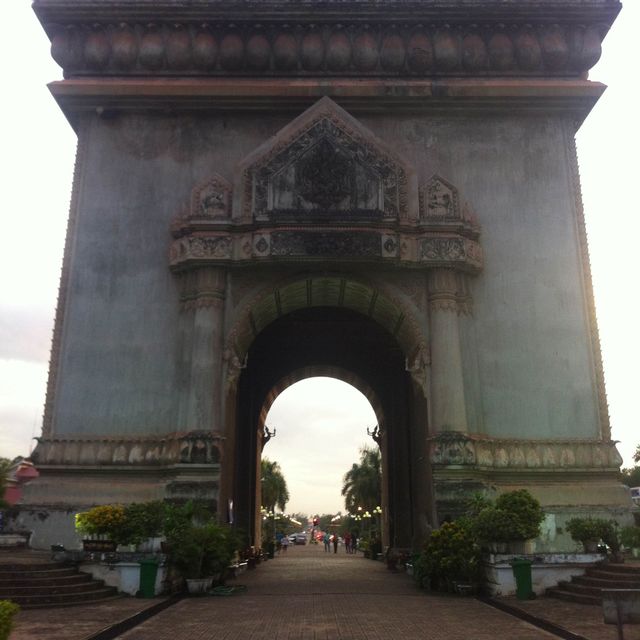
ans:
x=74 y=623
x=310 y=594
x=583 y=619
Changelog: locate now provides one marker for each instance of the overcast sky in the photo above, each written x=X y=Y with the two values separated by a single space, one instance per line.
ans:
x=38 y=151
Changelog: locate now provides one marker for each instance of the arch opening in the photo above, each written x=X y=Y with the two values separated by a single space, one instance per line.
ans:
x=355 y=348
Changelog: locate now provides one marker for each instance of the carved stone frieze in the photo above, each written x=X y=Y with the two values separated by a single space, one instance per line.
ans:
x=200 y=248
x=455 y=448
x=448 y=250
x=423 y=46
x=333 y=244
x=196 y=447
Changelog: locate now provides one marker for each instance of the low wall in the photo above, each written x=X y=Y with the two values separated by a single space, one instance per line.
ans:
x=547 y=569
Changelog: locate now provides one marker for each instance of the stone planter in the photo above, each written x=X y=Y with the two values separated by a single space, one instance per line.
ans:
x=198 y=586
x=99 y=546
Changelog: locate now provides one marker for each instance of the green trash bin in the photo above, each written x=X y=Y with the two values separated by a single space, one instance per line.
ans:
x=522 y=573
x=148 y=574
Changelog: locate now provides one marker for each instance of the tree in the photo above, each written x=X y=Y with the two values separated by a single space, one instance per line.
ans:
x=362 y=484
x=631 y=476
x=273 y=485
x=5 y=464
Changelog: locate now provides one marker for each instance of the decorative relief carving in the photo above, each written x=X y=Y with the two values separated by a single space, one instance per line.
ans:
x=439 y=199
x=244 y=48
x=328 y=166
x=326 y=244
x=195 y=447
x=211 y=199
x=455 y=448
x=442 y=249
x=200 y=248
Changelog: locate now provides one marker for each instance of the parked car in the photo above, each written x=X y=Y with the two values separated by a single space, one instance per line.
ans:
x=292 y=538
x=300 y=538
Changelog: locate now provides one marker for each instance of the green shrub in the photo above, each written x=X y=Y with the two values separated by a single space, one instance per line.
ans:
x=7 y=612
x=630 y=537
x=451 y=555
x=587 y=529
x=516 y=515
x=203 y=550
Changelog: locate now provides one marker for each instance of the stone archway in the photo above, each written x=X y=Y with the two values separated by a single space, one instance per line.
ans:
x=353 y=347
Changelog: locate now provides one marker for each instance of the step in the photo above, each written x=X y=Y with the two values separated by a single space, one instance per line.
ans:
x=38 y=573
x=76 y=578
x=573 y=597
x=11 y=592
x=61 y=598
x=71 y=603
x=575 y=587
x=29 y=566
x=613 y=575
x=614 y=567
x=609 y=581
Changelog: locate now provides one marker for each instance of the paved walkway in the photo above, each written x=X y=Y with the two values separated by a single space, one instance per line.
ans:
x=309 y=594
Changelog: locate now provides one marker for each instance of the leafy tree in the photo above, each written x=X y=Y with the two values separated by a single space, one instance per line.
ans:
x=273 y=485
x=631 y=476
x=362 y=484
x=5 y=463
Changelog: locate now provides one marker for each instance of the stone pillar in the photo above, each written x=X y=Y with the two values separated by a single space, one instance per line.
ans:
x=448 y=411
x=204 y=395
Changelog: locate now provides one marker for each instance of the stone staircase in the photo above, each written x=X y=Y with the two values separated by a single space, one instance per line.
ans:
x=587 y=589
x=41 y=583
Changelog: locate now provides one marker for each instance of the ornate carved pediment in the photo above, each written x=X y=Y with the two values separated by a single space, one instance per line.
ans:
x=439 y=200
x=212 y=199
x=326 y=165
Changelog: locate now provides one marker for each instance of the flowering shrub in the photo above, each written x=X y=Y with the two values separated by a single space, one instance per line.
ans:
x=128 y=524
x=7 y=611
x=104 y=520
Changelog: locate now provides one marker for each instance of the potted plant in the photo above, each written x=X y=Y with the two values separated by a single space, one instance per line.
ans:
x=630 y=538
x=103 y=527
x=514 y=520
x=450 y=560
x=202 y=553
x=587 y=531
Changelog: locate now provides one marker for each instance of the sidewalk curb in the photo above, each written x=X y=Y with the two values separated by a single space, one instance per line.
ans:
x=117 y=628
x=541 y=623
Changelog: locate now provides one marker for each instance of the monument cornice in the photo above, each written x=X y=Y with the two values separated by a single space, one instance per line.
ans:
x=316 y=47
x=51 y=11
x=110 y=96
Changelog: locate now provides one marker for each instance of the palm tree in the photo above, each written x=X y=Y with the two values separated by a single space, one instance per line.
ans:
x=362 y=484
x=273 y=486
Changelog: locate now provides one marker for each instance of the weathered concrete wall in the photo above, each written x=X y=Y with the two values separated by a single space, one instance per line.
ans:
x=526 y=350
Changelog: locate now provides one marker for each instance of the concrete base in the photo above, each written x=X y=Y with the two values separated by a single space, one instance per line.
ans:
x=13 y=540
x=125 y=576
x=547 y=570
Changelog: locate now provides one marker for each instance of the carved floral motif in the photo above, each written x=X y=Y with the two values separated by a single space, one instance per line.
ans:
x=456 y=448
x=195 y=447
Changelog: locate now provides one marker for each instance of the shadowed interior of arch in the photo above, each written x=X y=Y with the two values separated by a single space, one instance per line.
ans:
x=354 y=347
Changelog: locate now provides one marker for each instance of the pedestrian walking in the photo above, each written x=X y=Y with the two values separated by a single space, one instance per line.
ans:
x=327 y=541
x=284 y=543
x=335 y=543
x=347 y=542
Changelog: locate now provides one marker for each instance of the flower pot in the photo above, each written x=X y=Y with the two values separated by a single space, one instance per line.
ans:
x=198 y=586
x=590 y=546
x=99 y=546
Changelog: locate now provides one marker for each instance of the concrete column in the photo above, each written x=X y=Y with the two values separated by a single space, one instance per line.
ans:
x=448 y=411
x=204 y=406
